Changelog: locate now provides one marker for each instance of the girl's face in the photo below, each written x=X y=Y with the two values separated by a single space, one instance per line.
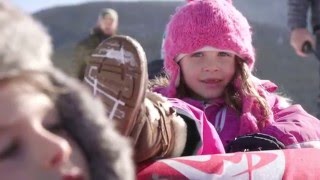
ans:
x=33 y=144
x=207 y=73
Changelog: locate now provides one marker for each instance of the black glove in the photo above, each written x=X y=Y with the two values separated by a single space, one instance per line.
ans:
x=254 y=142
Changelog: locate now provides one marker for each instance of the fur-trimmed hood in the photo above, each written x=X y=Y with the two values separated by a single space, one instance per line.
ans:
x=108 y=154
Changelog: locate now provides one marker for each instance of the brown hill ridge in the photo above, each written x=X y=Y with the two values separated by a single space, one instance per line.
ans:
x=146 y=22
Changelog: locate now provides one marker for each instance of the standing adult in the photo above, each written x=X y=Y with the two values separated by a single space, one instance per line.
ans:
x=107 y=26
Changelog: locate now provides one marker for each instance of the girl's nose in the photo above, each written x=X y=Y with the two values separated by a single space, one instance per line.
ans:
x=52 y=151
x=210 y=69
x=210 y=65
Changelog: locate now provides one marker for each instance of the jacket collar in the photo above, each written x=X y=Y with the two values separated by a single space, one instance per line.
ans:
x=219 y=102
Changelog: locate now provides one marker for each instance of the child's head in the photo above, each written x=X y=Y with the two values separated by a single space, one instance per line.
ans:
x=33 y=143
x=209 y=54
x=50 y=126
x=206 y=23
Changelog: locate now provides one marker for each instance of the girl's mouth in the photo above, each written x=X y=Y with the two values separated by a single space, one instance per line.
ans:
x=211 y=81
x=73 y=173
x=73 y=177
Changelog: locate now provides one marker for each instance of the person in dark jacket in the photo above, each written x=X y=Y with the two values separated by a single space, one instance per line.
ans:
x=107 y=25
x=298 y=22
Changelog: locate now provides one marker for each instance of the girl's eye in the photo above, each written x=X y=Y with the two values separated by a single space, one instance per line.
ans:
x=197 y=54
x=224 y=54
x=10 y=151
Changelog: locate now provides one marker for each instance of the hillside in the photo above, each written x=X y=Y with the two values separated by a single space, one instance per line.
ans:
x=146 y=22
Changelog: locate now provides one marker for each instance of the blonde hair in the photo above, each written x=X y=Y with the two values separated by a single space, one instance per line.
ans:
x=34 y=80
x=245 y=88
x=109 y=12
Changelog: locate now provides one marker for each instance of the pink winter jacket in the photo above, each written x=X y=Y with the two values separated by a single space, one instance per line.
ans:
x=219 y=124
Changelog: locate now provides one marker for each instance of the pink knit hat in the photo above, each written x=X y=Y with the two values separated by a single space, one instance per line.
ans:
x=217 y=24
x=200 y=23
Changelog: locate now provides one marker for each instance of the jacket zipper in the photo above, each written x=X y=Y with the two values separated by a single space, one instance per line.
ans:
x=220 y=118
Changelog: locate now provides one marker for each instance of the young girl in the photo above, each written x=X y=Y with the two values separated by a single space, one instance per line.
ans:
x=208 y=58
x=50 y=126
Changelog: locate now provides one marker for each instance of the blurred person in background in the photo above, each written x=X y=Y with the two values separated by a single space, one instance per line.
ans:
x=107 y=26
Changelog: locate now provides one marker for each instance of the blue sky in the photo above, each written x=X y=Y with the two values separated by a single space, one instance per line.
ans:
x=36 y=5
